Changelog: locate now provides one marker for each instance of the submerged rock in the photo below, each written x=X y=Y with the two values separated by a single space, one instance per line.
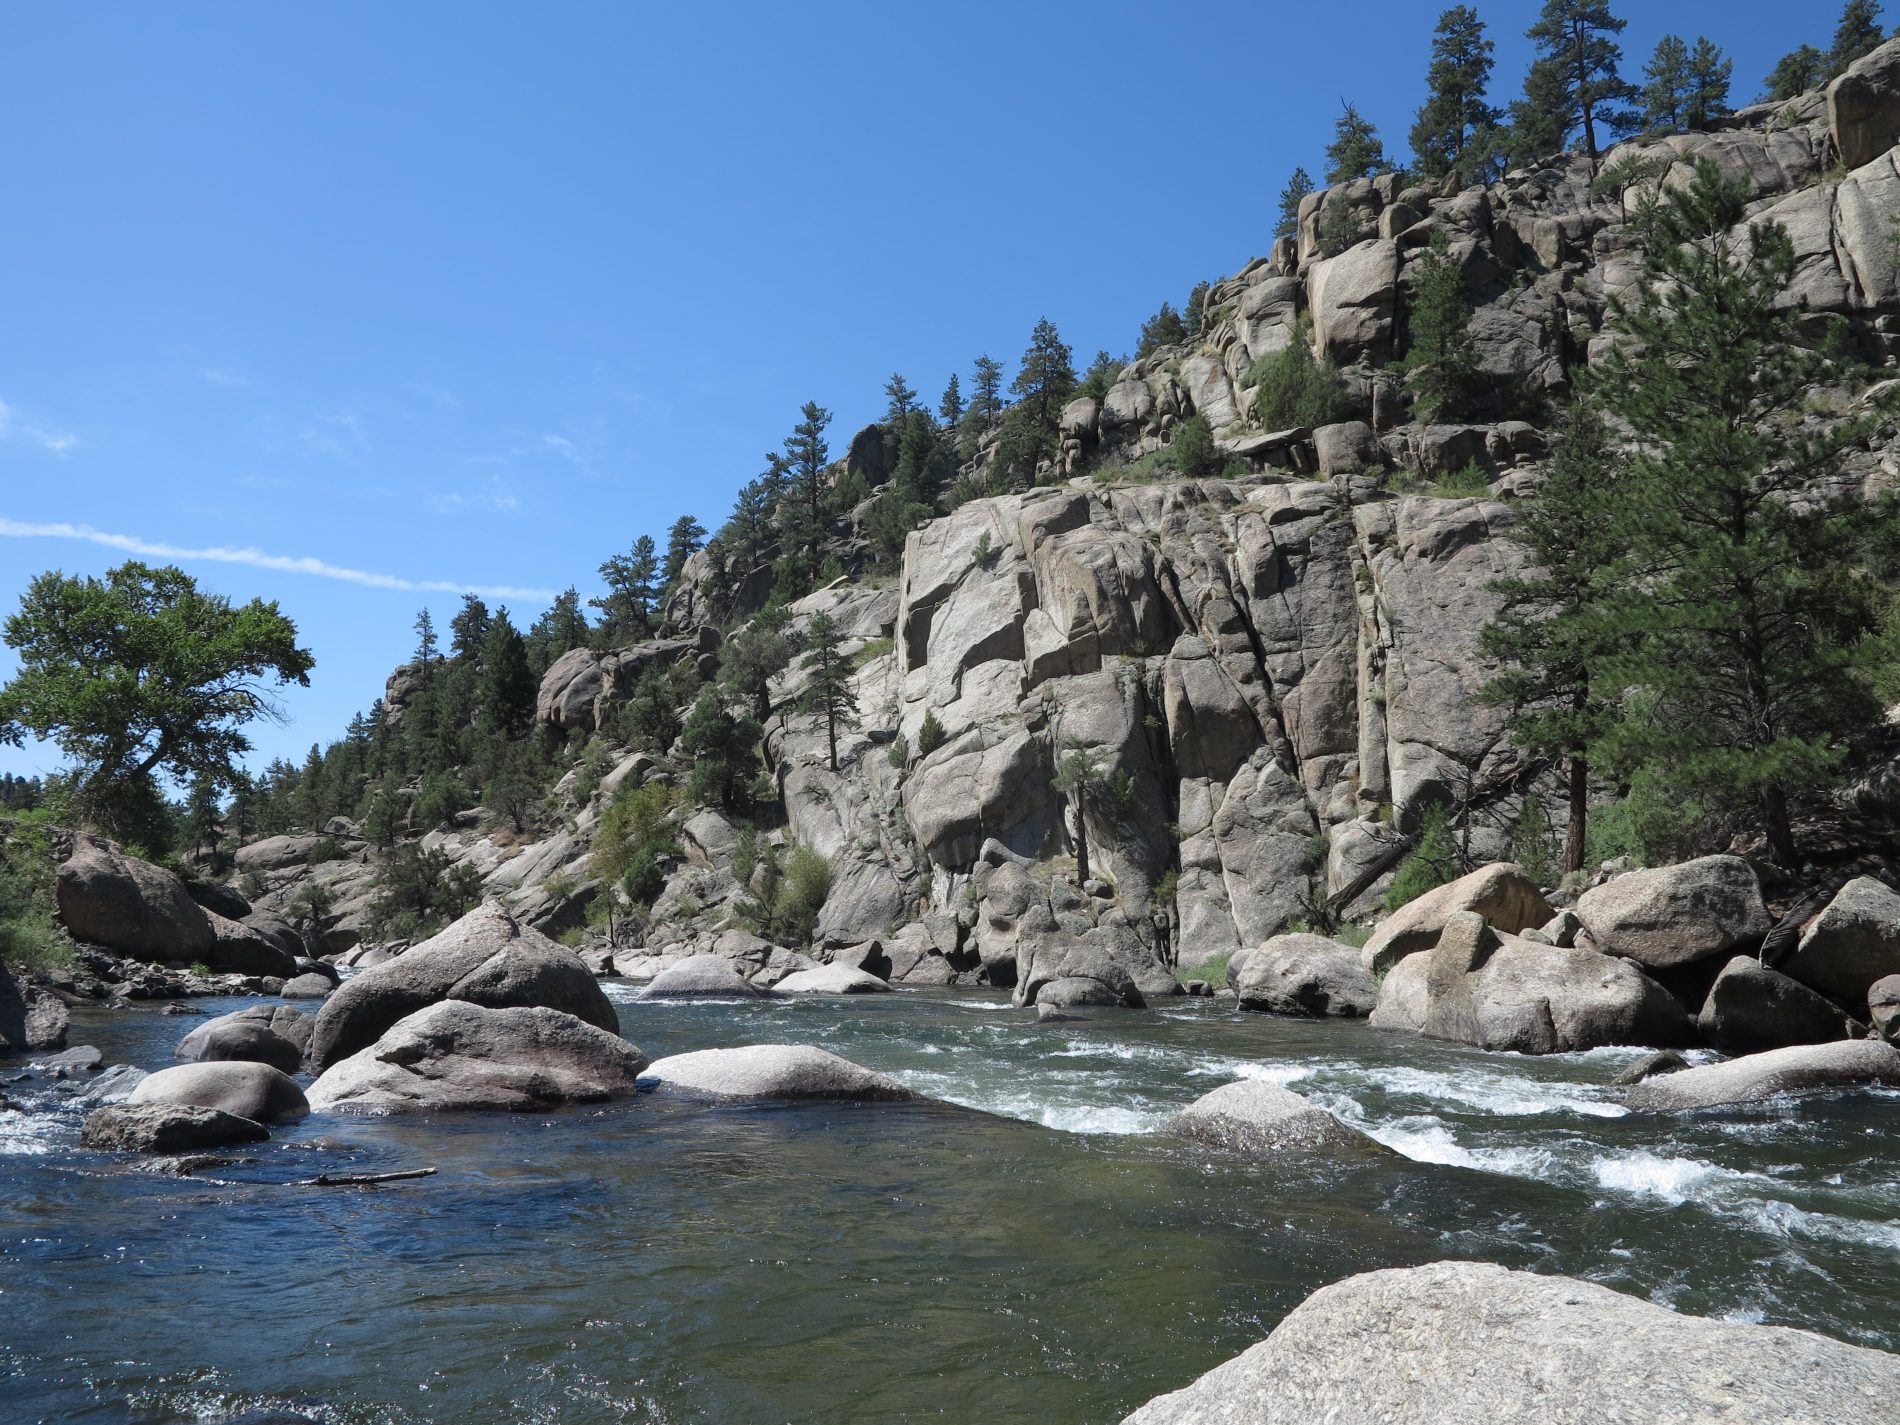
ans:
x=1674 y=915
x=697 y=975
x=456 y=1055
x=485 y=958
x=1466 y=1343
x=1253 y=1116
x=1802 y=1069
x=773 y=1071
x=248 y=1090
x=165 y=1128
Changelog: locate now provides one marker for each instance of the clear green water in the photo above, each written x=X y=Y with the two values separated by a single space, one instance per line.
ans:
x=1031 y=1250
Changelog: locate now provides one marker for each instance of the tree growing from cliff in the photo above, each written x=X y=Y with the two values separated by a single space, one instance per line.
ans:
x=1164 y=328
x=1686 y=88
x=142 y=674
x=1079 y=773
x=684 y=539
x=1552 y=632
x=1355 y=151
x=1042 y=386
x=1750 y=624
x=900 y=400
x=1453 y=126
x=1297 y=187
x=1858 y=33
x=505 y=688
x=561 y=628
x=986 y=405
x=802 y=508
x=1441 y=368
x=1538 y=126
x=425 y=644
x=950 y=408
x=1796 y=72
x=632 y=579
x=1577 y=40
x=752 y=658
x=724 y=749
x=828 y=692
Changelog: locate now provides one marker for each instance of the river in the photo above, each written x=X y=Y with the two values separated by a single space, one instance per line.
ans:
x=1029 y=1248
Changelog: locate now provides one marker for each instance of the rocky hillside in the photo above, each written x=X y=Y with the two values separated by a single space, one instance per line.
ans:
x=1273 y=671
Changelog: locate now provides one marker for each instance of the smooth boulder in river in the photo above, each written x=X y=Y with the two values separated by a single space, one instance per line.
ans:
x=832 y=980
x=264 y=1034
x=166 y=1128
x=701 y=976
x=485 y=958
x=457 y=1055
x=254 y=1091
x=1305 y=975
x=773 y=1071
x=1802 y=1069
x=1469 y=1343
x=1265 y=1120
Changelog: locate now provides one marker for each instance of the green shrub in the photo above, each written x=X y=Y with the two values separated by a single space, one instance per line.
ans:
x=1213 y=971
x=745 y=859
x=442 y=796
x=328 y=848
x=1296 y=389
x=1192 y=450
x=1651 y=826
x=790 y=896
x=633 y=824
x=1430 y=864
x=419 y=891
x=931 y=735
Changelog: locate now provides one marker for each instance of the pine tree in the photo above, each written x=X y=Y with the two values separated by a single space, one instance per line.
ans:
x=802 y=510
x=1553 y=631
x=829 y=691
x=1441 y=368
x=723 y=748
x=202 y=826
x=425 y=644
x=685 y=539
x=1042 y=386
x=632 y=581
x=1194 y=314
x=1452 y=126
x=1575 y=36
x=1857 y=34
x=561 y=628
x=1079 y=773
x=1748 y=623
x=1709 y=75
x=986 y=405
x=1796 y=73
x=468 y=628
x=752 y=658
x=1538 y=125
x=1355 y=151
x=902 y=401
x=1101 y=374
x=950 y=408
x=505 y=691
x=1164 y=328
x=1297 y=187
x=1666 y=94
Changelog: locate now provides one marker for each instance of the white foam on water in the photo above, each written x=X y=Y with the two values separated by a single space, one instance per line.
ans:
x=27 y=1133
x=1047 y=1104
x=1424 y=1139
x=1671 y=1180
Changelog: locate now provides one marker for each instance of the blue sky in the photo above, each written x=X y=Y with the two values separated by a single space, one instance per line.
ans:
x=472 y=294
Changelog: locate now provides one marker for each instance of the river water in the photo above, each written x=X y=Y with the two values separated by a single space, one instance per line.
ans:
x=1029 y=1248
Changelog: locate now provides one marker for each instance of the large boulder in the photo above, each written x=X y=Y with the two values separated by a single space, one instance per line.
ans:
x=1863 y=107
x=456 y=1055
x=254 y=1091
x=1469 y=1343
x=1850 y=944
x=833 y=979
x=1883 y=1007
x=1501 y=893
x=264 y=1034
x=1304 y=975
x=308 y=985
x=238 y=949
x=773 y=1071
x=701 y=976
x=1065 y=971
x=1354 y=300
x=1751 y=1007
x=165 y=1128
x=1255 y=1117
x=275 y=929
x=1674 y=915
x=109 y=898
x=1504 y=992
x=1801 y=1069
x=486 y=958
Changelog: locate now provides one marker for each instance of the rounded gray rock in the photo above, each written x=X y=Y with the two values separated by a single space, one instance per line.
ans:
x=1255 y=1117
x=712 y=976
x=1753 y=1078
x=165 y=1128
x=248 y=1090
x=773 y=1071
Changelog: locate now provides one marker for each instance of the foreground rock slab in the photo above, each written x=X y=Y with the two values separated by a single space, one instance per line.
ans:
x=1751 y=1008
x=1265 y=1120
x=485 y=958
x=1464 y=1343
x=832 y=980
x=700 y=975
x=774 y=1071
x=254 y=1091
x=1805 y=1068
x=1851 y=944
x=166 y=1128
x=461 y=1056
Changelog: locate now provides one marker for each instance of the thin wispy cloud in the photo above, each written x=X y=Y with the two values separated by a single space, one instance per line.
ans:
x=495 y=496
x=13 y=428
x=258 y=559
x=224 y=376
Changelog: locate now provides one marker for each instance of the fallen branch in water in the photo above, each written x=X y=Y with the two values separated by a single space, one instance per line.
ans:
x=362 y=1179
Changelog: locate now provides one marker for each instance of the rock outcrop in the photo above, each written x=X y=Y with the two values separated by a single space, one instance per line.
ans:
x=131 y=906
x=700 y=976
x=1751 y=1008
x=30 y=1017
x=1465 y=1343
x=1303 y=975
x=831 y=979
x=1852 y=943
x=486 y=958
x=1501 y=893
x=460 y=1056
